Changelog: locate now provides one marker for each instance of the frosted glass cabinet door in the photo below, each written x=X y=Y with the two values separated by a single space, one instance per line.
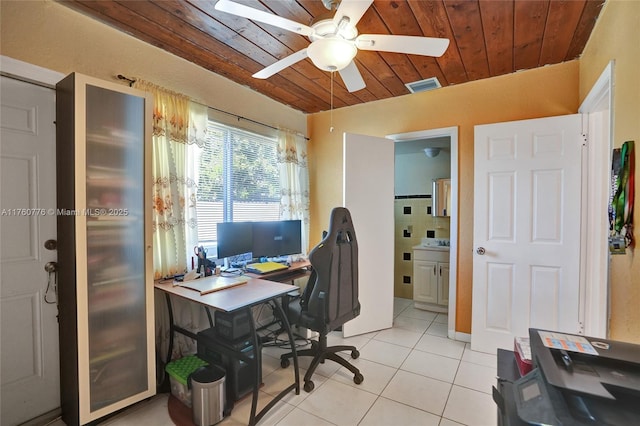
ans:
x=105 y=276
x=115 y=246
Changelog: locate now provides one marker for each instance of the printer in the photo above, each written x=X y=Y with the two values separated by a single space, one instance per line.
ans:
x=576 y=380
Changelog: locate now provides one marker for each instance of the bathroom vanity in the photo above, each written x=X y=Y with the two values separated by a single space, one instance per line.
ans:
x=431 y=277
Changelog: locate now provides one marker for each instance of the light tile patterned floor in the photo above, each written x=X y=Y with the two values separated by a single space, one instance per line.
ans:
x=413 y=374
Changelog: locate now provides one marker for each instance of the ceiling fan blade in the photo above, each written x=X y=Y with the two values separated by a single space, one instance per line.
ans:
x=353 y=9
x=281 y=64
x=265 y=17
x=352 y=78
x=427 y=46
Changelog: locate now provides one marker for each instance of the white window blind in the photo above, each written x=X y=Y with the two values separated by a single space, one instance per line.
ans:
x=238 y=179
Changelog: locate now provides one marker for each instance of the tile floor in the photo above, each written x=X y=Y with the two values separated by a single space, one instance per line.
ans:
x=413 y=374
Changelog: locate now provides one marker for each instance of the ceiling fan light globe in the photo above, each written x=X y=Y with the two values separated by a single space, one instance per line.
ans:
x=331 y=54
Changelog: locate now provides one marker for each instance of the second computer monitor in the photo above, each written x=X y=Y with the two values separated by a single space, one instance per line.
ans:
x=277 y=238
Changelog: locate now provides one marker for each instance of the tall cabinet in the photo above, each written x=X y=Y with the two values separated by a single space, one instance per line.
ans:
x=105 y=281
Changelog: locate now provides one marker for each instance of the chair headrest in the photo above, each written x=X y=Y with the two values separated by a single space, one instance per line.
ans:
x=340 y=221
x=341 y=230
x=340 y=225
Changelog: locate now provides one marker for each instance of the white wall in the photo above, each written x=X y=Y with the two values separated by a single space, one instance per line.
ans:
x=414 y=172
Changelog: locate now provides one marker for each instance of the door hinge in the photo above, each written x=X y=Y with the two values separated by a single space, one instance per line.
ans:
x=585 y=139
x=580 y=327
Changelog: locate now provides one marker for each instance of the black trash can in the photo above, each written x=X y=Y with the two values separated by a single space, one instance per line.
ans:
x=208 y=395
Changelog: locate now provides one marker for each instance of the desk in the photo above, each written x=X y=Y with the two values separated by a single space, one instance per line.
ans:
x=296 y=270
x=256 y=291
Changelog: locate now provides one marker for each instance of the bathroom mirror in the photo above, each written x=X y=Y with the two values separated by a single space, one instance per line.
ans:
x=441 y=197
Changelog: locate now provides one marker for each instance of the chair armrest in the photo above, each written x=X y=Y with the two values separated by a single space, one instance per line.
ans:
x=322 y=314
x=289 y=297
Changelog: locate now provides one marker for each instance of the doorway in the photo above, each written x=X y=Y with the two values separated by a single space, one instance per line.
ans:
x=436 y=138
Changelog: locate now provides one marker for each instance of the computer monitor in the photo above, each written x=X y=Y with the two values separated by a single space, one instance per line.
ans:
x=277 y=238
x=234 y=238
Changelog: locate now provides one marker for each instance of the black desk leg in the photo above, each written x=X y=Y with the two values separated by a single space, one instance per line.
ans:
x=292 y=342
x=256 y=368
x=171 y=329
x=206 y=308
x=295 y=386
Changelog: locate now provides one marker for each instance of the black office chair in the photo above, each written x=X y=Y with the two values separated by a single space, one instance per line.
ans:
x=330 y=298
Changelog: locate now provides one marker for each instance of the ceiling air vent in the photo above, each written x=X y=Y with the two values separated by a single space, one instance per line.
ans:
x=423 y=85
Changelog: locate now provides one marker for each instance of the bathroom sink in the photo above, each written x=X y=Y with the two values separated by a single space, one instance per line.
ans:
x=436 y=248
x=436 y=244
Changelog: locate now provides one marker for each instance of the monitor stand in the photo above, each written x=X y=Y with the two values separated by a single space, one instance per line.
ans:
x=229 y=268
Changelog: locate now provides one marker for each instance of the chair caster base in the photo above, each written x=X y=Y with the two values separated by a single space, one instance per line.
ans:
x=308 y=386
x=358 y=378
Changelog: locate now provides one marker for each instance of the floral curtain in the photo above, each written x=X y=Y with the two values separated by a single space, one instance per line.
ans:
x=174 y=191
x=294 y=180
x=179 y=130
x=196 y=136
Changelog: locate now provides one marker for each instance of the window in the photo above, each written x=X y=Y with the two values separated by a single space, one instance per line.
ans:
x=239 y=179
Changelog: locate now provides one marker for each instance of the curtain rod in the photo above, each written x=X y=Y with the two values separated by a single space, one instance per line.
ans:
x=131 y=81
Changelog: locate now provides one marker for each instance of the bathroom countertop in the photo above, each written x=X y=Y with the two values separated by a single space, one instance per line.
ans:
x=435 y=248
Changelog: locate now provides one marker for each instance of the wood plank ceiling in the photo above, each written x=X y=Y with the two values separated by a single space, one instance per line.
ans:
x=488 y=38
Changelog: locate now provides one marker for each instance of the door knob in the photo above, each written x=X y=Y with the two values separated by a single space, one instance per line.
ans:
x=51 y=267
x=480 y=251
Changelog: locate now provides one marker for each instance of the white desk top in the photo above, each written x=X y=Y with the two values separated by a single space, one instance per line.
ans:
x=255 y=291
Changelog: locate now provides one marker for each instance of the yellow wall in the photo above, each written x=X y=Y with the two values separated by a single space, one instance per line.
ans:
x=617 y=37
x=51 y=35
x=537 y=93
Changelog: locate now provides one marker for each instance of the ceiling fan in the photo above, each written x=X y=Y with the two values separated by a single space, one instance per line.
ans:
x=335 y=41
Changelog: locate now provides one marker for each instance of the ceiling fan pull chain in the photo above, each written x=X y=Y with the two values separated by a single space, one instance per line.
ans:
x=331 y=106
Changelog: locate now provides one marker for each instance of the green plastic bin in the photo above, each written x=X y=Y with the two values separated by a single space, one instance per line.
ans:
x=179 y=372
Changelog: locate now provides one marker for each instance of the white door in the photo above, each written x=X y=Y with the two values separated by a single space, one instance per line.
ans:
x=30 y=367
x=368 y=194
x=526 y=267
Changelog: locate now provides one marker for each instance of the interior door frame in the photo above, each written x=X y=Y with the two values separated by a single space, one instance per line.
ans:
x=594 y=315
x=452 y=134
x=29 y=73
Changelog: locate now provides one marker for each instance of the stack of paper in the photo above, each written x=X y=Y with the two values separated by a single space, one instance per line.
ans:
x=265 y=267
